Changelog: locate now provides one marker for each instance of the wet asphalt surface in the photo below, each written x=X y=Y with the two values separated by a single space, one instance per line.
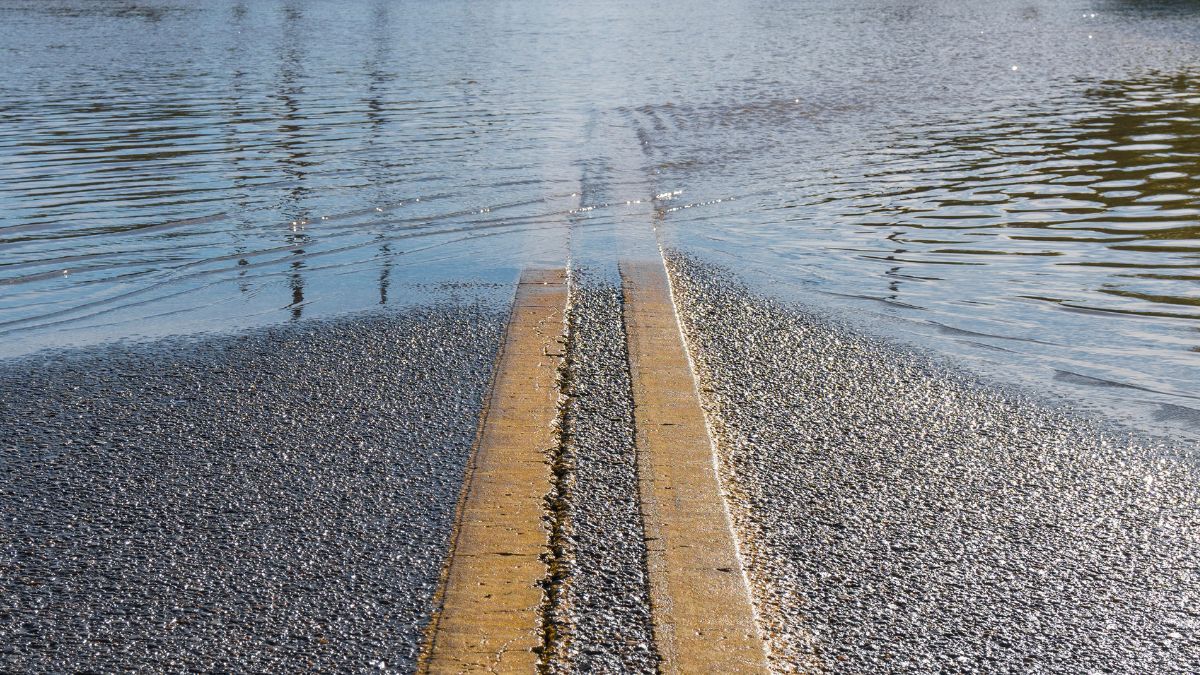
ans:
x=282 y=499
x=605 y=609
x=275 y=501
x=896 y=516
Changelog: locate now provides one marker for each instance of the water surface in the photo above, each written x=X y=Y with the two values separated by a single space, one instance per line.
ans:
x=1013 y=182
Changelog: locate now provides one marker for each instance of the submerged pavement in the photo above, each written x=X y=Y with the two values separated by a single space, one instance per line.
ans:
x=275 y=501
x=897 y=516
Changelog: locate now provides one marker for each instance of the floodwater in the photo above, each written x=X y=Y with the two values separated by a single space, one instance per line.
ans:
x=1016 y=183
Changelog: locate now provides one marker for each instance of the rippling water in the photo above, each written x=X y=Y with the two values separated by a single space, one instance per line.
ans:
x=1015 y=182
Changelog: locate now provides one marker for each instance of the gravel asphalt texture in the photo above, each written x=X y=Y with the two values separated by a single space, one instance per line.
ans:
x=605 y=602
x=897 y=516
x=276 y=501
x=282 y=499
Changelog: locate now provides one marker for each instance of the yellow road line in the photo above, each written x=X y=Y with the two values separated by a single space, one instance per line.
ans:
x=700 y=603
x=488 y=617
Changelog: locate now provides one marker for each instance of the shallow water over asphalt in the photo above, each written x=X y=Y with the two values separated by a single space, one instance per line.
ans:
x=1014 y=182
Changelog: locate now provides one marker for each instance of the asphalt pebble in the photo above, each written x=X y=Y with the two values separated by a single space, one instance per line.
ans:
x=897 y=515
x=274 y=501
x=605 y=616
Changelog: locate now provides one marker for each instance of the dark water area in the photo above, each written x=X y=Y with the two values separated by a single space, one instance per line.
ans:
x=1016 y=183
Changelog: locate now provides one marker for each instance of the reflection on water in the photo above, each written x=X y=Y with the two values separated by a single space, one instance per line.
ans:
x=1112 y=182
x=1013 y=180
x=987 y=228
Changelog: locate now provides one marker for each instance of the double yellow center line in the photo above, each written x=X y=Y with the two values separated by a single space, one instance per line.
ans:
x=487 y=618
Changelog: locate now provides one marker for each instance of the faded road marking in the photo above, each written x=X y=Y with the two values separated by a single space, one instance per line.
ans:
x=488 y=618
x=700 y=602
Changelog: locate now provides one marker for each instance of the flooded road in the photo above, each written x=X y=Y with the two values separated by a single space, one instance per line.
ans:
x=1014 y=183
